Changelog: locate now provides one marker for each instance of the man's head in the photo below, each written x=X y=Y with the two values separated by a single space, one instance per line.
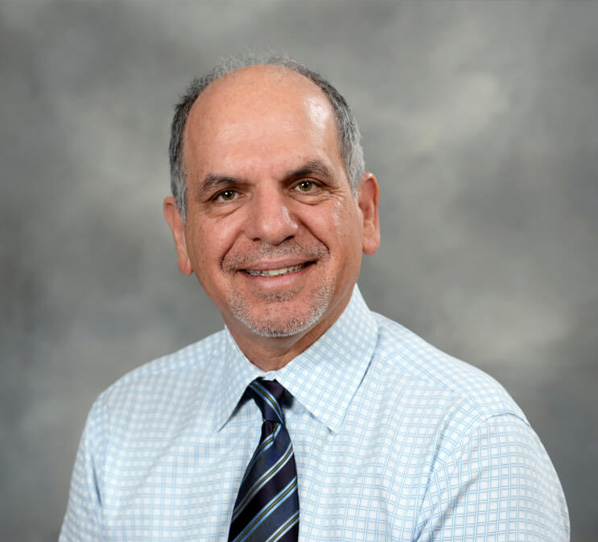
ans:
x=274 y=231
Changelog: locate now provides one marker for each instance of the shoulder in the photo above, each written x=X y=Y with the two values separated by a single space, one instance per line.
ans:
x=431 y=380
x=475 y=438
x=171 y=378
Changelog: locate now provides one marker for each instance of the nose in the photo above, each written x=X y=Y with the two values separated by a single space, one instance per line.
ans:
x=270 y=219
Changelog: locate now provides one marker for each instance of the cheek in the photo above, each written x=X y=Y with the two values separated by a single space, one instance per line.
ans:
x=208 y=243
x=336 y=225
x=347 y=226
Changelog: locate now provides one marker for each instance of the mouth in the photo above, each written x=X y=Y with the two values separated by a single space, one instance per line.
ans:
x=276 y=272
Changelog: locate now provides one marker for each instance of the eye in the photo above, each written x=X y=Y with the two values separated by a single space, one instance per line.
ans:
x=306 y=186
x=226 y=195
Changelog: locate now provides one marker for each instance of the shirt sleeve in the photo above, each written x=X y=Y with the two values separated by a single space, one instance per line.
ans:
x=497 y=484
x=83 y=514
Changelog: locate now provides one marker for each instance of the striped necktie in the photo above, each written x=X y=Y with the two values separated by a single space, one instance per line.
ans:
x=267 y=506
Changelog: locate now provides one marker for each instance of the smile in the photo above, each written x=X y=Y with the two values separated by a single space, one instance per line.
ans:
x=275 y=272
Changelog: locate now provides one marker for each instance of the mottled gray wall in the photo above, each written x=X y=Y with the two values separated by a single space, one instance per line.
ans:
x=479 y=118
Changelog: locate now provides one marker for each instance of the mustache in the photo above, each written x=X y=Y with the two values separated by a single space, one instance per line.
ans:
x=259 y=253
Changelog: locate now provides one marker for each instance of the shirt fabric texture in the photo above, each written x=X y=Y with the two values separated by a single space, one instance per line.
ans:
x=393 y=439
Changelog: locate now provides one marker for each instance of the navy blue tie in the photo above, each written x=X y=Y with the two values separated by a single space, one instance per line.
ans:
x=267 y=506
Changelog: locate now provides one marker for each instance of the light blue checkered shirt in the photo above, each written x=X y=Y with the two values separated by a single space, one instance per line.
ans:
x=394 y=440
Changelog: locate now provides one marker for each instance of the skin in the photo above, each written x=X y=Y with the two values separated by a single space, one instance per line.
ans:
x=268 y=190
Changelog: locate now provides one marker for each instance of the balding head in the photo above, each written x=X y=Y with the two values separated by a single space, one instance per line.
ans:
x=349 y=139
x=255 y=111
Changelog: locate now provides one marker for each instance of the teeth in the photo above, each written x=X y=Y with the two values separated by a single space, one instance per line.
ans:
x=275 y=272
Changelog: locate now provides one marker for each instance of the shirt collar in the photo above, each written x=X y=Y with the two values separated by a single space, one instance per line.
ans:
x=324 y=378
x=236 y=374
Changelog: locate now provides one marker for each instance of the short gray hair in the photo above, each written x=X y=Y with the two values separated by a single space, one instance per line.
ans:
x=351 y=149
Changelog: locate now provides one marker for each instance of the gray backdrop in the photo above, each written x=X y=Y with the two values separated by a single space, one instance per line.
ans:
x=479 y=118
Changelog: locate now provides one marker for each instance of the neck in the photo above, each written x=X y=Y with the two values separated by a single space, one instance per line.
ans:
x=273 y=353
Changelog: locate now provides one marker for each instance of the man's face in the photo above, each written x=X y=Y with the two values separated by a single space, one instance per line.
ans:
x=273 y=231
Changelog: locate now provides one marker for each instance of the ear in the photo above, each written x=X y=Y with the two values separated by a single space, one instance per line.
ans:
x=368 y=199
x=173 y=217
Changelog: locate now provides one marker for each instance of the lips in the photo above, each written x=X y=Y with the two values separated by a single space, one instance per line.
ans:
x=275 y=272
x=263 y=260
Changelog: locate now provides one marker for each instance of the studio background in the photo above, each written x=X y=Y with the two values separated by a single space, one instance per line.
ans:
x=480 y=120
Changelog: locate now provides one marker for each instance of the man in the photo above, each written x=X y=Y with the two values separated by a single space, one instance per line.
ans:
x=361 y=430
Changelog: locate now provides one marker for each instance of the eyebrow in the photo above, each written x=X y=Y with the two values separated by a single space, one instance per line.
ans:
x=311 y=167
x=215 y=181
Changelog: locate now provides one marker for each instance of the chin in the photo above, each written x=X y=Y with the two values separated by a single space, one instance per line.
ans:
x=281 y=329
x=283 y=319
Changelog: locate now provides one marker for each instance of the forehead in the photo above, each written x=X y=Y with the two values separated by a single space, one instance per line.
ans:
x=266 y=85
x=262 y=105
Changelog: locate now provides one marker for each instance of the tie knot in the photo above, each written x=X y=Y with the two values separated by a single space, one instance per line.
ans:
x=268 y=395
